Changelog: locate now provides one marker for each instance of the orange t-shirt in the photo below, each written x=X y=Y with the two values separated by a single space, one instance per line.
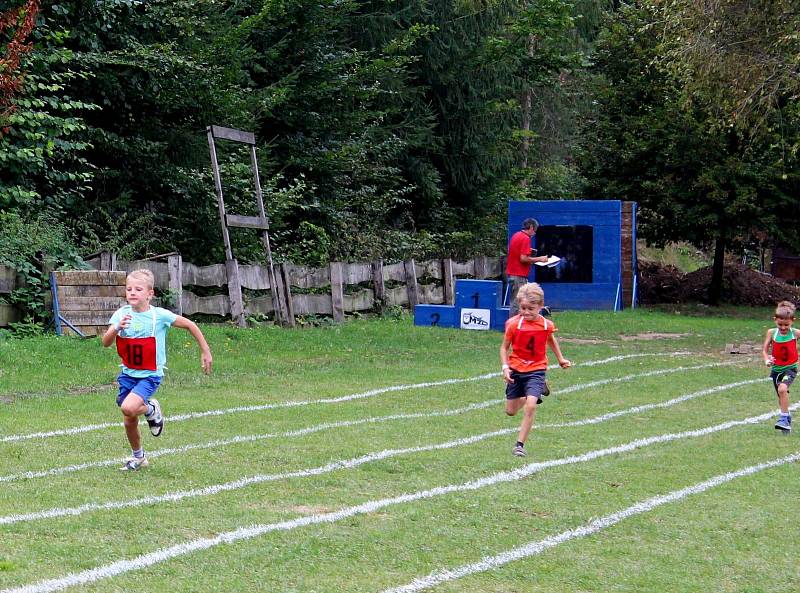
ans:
x=528 y=343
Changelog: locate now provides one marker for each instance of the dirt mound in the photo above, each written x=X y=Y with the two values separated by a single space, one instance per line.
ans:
x=741 y=285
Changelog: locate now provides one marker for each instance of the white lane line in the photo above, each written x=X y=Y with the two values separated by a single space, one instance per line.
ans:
x=537 y=547
x=376 y=419
x=245 y=533
x=291 y=404
x=367 y=458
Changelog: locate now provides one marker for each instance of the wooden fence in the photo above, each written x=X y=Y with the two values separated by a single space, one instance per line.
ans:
x=336 y=289
x=8 y=282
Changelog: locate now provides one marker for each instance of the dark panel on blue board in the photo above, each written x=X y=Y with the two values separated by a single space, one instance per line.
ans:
x=574 y=244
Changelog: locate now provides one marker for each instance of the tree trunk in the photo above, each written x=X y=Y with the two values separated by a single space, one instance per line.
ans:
x=715 y=288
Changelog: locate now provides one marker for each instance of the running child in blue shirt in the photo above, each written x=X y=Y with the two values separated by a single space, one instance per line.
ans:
x=139 y=331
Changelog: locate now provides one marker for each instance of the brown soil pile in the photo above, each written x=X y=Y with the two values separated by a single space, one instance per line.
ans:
x=741 y=285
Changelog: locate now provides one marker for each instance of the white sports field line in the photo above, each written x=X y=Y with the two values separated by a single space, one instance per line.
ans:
x=537 y=547
x=366 y=458
x=333 y=400
x=376 y=419
x=253 y=531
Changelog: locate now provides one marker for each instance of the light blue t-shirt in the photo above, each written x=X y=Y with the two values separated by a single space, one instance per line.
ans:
x=142 y=327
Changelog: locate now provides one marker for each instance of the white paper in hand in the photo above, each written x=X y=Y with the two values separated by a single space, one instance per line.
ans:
x=551 y=262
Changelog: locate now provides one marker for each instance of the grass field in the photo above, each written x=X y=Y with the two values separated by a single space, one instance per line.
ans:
x=375 y=456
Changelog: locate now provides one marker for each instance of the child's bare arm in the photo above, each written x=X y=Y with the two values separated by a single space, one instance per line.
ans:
x=553 y=343
x=112 y=331
x=504 y=360
x=205 y=351
x=765 y=351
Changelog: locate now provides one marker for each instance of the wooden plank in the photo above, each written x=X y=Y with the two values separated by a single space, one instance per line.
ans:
x=396 y=272
x=87 y=317
x=8 y=279
x=254 y=277
x=246 y=222
x=464 y=268
x=94 y=277
x=411 y=283
x=448 y=282
x=232 y=134
x=218 y=304
x=312 y=304
x=306 y=277
x=175 y=267
x=356 y=273
x=89 y=303
x=235 y=292
x=429 y=269
x=213 y=275
x=431 y=294
x=378 y=286
x=397 y=296
x=259 y=305
x=337 y=291
x=91 y=291
x=362 y=300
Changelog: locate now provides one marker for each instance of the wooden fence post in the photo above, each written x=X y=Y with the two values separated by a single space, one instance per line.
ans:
x=481 y=267
x=337 y=291
x=175 y=269
x=108 y=260
x=379 y=287
x=235 y=292
x=411 y=283
x=448 y=282
x=287 y=293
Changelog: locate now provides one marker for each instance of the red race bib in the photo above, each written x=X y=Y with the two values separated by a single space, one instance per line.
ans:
x=138 y=353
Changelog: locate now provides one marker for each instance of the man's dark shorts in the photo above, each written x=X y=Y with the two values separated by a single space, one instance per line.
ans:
x=786 y=376
x=526 y=384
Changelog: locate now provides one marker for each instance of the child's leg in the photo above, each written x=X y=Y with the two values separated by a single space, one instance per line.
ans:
x=528 y=417
x=132 y=407
x=514 y=405
x=783 y=398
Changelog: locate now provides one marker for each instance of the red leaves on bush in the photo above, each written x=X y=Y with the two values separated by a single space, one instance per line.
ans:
x=20 y=22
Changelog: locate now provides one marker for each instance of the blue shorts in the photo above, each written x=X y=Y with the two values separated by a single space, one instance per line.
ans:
x=526 y=385
x=144 y=388
x=786 y=376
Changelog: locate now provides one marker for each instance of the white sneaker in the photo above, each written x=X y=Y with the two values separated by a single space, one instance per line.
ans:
x=134 y=464
x=155 y=420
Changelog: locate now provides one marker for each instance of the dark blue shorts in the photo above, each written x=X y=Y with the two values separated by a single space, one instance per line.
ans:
x=144 y=388
x=525 y=385
x=787 y=376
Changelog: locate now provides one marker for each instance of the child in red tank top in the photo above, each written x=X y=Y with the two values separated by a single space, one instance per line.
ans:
x=523 y=355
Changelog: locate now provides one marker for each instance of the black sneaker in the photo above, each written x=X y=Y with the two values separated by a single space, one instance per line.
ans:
x=155 y=420
x=519 y=451
x=546 y=390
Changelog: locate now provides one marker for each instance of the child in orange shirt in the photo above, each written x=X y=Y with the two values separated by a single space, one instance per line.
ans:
x=523 y=355
x=780 y=353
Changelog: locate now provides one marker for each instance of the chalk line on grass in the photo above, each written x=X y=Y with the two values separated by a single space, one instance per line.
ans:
x=376 y=419
x=537 y=547
x=367 y=458
x=292 y=404
x=250 y=532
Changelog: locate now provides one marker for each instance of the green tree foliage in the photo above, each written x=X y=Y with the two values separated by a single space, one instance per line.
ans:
x=693 y=179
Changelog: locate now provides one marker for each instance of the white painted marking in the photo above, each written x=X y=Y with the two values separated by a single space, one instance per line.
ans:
x=293 y=404
x=537 y=547
x=348 y=423
x=244 y=533
x=385 y=454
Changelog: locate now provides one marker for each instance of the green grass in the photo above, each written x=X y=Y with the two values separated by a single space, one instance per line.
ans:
x=739 y=536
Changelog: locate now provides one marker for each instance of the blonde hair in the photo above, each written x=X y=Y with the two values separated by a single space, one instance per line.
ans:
x=785 y=310
x=531 y=293
x=144 y=275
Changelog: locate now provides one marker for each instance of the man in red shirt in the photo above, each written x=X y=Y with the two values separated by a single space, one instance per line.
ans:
x=520 y=258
